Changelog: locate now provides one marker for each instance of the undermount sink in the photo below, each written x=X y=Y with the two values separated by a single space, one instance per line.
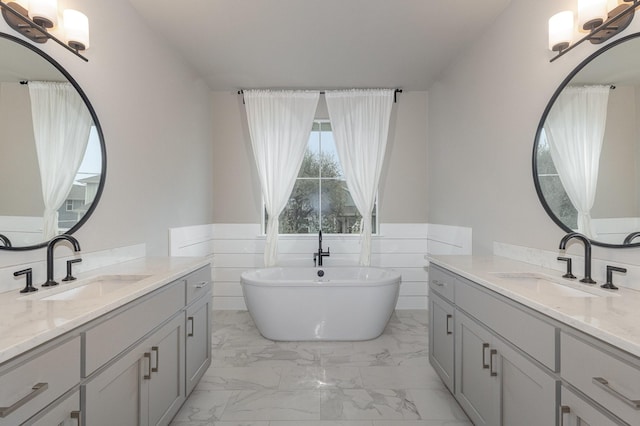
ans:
x=559 y=287
x=91 y=288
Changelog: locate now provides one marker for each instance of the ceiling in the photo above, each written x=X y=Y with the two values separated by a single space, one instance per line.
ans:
x=328 y=44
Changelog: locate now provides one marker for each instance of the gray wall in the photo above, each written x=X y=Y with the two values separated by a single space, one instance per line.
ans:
x=236 y=189
x=483 y=115
x=154 y=112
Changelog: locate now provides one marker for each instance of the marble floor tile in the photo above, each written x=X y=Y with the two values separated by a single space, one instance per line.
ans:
x=273 y=405
x=321 y=378
x=238 y=378
x=381 y=382
x=203 y=406
x=400 y=377
x=435 y=404
x=367 y=404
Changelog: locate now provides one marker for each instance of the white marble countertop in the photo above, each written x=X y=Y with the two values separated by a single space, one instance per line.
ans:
x=613 y=317
x=27 y=321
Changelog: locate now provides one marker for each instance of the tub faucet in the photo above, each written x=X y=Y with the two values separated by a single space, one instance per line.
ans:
x=76 y=247
x=587 y=254
x=317 y=257
x=630 y=237
x=5 y=241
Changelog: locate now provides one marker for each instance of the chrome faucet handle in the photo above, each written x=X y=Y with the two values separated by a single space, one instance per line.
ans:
x=609 y=283
x=569 y=273
x=29 y=275
x=69 y=276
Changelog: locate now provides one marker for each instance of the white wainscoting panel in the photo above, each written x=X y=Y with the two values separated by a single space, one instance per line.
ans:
x=239 y=247
x=235 y=248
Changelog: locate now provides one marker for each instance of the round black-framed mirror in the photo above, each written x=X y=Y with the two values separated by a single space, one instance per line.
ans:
x=617 y=67
x=23 y=62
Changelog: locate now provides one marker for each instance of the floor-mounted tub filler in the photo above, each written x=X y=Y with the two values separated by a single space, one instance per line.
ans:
x=328 y=303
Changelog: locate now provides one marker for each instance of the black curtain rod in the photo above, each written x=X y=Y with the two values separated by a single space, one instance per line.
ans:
x=322 y=92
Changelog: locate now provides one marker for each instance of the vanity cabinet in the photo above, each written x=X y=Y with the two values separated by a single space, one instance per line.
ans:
x=198 y=341
x=575 y=411
x=441 y=339
x=499 y=376
x=441 y=320
x=607 y=376
x=149 y=381
x=498 y=384
x=145 y=387
x=35 y=380
x=64 y=413
x=134 y=365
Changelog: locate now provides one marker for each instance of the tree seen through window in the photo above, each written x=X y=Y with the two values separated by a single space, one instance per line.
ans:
x=320 y=199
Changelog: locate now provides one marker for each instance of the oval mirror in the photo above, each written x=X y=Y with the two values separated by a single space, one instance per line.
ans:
x=53 y=161
x=586 y=153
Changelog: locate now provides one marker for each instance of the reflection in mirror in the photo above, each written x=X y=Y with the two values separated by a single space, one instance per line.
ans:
x=587 y=150
x=38 y=161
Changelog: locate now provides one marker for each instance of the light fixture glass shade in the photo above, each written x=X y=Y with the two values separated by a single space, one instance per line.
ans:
x=561 y=31
x=76 y=29
x=591 y=13
x=44 y=12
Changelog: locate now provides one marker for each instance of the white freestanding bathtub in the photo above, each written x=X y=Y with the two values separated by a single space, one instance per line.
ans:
x=334 y=303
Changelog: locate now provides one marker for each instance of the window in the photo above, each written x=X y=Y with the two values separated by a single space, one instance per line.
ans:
x=320 y=199
x=551 y=186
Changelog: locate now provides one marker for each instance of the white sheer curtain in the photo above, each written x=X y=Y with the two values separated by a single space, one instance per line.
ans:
x=360 y=123
x=575 y=129
x=279 y=125
x=61 y=126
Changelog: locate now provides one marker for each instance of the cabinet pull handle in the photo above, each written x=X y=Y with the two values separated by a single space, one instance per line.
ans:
x=147 y=355
x=485 y=346
x=562 y=410
x=203 y=284
x=449 y=316
x=193 y=327
x=438 y=283
x=157 y=351
x=603 y=384
x=36 y=390
x=492 y=353
x=77 y=415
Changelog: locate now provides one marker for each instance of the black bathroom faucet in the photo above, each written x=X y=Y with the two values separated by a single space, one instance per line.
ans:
x=587 y=254
x=76 y=247
x=317 y=257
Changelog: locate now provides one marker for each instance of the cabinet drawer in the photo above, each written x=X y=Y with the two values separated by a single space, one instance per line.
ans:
x=442 y=282
x=29 y=386
x=122 y=329
x=198 y=283
x=530 y=333
x=65 y=413
x=602 y=374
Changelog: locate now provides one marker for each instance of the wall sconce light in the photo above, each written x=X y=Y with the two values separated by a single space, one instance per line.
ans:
x=600 y=19
x=33 y=19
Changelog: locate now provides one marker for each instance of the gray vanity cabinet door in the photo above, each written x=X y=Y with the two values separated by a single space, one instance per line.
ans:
x=145 y=386
x=166 y=385
x=441 y=339
x=198 y=350
x=477 y=391
x=528 y=394
x=116 y=396
x=496 y=384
